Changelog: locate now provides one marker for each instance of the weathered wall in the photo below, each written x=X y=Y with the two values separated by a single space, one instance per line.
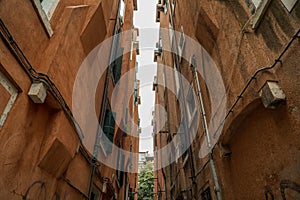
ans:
x=39 y=152
x=263 y=143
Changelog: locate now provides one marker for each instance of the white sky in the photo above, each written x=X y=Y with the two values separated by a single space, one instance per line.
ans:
x=144 y=19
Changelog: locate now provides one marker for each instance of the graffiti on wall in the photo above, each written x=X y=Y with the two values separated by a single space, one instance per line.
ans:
x=38 y=190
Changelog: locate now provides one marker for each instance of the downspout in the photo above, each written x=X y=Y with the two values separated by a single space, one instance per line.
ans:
x=103 y=104
x=207 y=136
x=190 y=153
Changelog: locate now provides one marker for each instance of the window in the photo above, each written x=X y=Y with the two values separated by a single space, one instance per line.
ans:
x=256 y=3
x=191 y=104
x=171 y=34
x=159 y=44
x=95 y=193
x=7 y=98
x=173 y=6
x=108 y=130
x=117 y=65
x=164 y=81
x=45 y=9
x=176 y=75
x=181 y=44
x=289 y=4
x=137 y=98
x=122 y=11
x=131 y=193
x=257 y=9
x=160 y=8
x=206 y=195
x=177 y=152
x=120 y=167
x=130 y=156
x=49 y=7
x=183 y=142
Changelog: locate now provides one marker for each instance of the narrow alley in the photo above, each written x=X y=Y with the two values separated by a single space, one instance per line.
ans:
x=149 y=100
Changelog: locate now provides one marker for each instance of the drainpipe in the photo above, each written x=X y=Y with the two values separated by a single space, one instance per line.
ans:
x=207 y=136
x=103 y=105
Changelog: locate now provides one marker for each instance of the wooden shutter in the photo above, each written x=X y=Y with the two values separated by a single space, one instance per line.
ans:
x=108 y=130
x=118 y=65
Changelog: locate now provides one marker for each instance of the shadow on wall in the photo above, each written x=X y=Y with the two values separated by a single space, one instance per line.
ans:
x=37 y=190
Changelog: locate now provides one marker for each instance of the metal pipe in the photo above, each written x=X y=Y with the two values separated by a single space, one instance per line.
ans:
x=207 y=135
x=278 y=59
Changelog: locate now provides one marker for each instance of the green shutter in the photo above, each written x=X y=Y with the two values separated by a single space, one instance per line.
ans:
x=117 y=67
x=122 y=168
x=108 y=130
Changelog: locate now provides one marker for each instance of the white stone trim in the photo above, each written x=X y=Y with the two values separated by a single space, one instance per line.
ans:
x=259 y=13
x=289 y=4
x=49 y=7
x=12 y=90
x=43 y=17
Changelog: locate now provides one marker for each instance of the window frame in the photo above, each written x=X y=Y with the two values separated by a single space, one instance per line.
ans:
x=96 y=192
x=289 y=6
x=206 y=191
x=13 y=92
x=49 y=7
x=191 y=114
x=259 y=13
x=122 y=12
x=177 y=82
x=181 y=44
x=118 y=65
x=120 y=164
x=43 y=16
x=102 y=143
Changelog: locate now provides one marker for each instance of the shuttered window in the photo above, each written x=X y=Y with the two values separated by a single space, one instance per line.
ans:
x=117 y=65
x=183 y=141
x=205 y=195
x=108 y=130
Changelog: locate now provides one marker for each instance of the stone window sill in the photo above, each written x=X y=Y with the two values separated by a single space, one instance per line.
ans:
x=43 y=17
x=258 y=15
